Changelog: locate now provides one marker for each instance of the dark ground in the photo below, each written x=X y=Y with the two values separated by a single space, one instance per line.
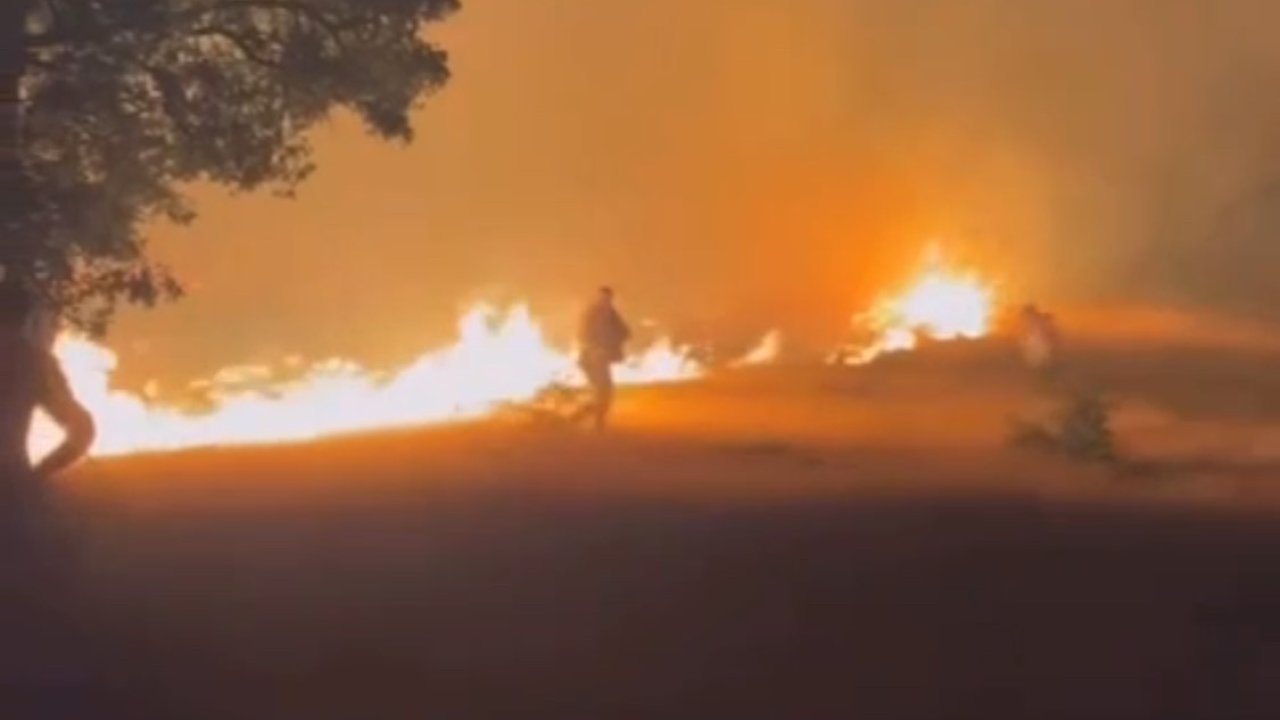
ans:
x=549 y=608
x=496 y=572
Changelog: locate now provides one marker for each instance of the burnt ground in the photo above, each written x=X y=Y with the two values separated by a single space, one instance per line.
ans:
x=850 y=550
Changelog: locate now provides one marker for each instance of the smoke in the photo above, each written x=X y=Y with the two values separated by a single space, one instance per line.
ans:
x=1092 y=151
x=736 y=164
x=1139 y=124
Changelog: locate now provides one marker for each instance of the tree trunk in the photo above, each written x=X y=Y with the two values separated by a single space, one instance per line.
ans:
x=14 y=184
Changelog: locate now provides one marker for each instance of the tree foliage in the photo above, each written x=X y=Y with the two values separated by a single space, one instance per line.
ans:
x=128 y=101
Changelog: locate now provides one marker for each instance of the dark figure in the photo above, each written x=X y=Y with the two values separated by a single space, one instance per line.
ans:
x=1041 y=343
x=44 y=663
x=602 y=336
x=31 y=378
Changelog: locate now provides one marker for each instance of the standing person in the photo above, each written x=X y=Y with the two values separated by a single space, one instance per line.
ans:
x=602 y=336
x=1041 y=343
x=31 y=378
x=44 y=662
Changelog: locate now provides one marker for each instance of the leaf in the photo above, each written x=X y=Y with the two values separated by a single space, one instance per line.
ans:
x=129 y=100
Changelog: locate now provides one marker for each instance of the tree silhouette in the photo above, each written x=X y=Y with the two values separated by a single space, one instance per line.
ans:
x=126 y=101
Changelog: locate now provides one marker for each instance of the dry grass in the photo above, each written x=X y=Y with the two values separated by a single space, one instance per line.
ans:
x=769 y=544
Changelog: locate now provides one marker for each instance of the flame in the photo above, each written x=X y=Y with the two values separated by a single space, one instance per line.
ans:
x=499 y=357
x=765 y=351
x=941 y=304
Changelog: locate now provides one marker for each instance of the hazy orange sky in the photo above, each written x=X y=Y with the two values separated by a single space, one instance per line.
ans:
x=735 y=166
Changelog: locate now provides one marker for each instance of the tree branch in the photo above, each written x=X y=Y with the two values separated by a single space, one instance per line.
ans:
x=241 y=43
x=332 y=26
x=89 y=33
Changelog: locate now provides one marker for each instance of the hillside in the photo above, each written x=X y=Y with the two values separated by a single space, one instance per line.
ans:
x=780 y=543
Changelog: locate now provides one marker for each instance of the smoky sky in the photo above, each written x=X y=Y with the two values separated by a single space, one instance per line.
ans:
x=732 y=166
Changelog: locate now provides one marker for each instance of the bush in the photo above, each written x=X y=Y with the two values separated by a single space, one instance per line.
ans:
x=1086 y=430
x=1081 y=430
x=555 y=404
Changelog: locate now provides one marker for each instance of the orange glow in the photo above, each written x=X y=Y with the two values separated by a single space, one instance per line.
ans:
x=500 y=356
x=763 y=353
x=940 y=304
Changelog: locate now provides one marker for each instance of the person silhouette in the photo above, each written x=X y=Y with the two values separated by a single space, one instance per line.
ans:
x=602 y=335
x=32 y=379
x=1041 y=342
x=46 y=668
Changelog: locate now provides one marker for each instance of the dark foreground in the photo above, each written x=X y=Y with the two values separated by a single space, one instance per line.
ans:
x=491 y=573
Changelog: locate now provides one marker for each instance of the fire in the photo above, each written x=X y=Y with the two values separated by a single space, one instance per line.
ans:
x=941 y=304
x=499 y=357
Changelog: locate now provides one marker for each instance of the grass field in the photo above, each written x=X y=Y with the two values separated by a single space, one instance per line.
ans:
x=780 y=543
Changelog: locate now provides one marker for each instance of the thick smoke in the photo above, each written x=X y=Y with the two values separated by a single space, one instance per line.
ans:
x=735 y=165
x=1150 y=128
